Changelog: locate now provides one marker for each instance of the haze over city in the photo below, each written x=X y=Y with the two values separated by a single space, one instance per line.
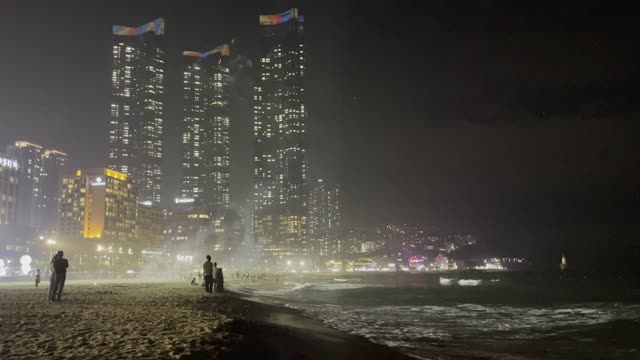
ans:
x=412 y=130
x=304 y=179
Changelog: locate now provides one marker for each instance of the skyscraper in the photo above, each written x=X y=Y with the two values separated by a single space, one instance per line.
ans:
x=280 y=191
x=137 y=106
x=205 y=136
x=325 y=219
x=39 y=178
x=8 y=184
x=53 y=162
x=29 y=157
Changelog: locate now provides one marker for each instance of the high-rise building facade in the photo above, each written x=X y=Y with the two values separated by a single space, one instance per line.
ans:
x=189 y=229
x=137 y=106
x=280 y=189
x=150 y=226
x=28 y=197
x=205 y=136
x=325 y=219
x=8 y=187
x=53 y=165
x=39 y=177
x=98 y=212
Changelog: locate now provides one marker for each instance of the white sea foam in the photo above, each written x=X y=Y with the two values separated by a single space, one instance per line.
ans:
x=445 y=281
x=323 y=286
x=417 y=326
x=469 y=282
x=340 y=286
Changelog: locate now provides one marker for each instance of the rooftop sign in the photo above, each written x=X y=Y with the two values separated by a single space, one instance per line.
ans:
x=8 y=163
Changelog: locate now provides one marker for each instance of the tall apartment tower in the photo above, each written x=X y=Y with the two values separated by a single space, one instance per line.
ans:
x=280 y=189
x=137 y=106
x=53 y=165
x=325 y=219
x=8 y=184
x=205 y=135
x=29 y=157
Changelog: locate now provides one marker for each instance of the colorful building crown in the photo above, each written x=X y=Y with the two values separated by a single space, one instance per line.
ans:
x=222 y=49
x=156 y=26
x=280 y=18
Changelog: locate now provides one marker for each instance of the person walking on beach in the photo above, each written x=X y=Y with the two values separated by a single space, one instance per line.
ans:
x=37 y=277
x=60 y=266
x=207 y=270
x=219 y=280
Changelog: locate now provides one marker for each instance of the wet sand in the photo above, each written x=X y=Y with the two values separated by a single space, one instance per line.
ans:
x=163 y=321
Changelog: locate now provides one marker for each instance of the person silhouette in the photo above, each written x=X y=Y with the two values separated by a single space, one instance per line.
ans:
x=60 y=266
x=219 y=280
x=207 y=270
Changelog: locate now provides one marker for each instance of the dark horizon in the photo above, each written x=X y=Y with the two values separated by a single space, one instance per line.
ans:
x=513 y=122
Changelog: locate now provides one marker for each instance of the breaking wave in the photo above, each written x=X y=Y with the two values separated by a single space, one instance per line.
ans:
x=420 y=327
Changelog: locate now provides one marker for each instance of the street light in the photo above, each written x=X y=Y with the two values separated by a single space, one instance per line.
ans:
x=51 y=243
x=100 y=248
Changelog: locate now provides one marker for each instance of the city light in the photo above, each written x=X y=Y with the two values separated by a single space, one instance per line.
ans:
x=25 y=262
x=184 y=200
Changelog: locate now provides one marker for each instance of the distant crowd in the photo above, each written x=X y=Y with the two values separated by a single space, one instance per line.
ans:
x=211 y=277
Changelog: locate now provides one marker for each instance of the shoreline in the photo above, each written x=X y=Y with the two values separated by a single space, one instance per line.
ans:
x=277 y=332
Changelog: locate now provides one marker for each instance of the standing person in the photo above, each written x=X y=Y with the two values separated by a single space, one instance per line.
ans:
x=37 y=277
x=215 y=272
x=219 y=280
x=207 y=270
x=60 y=266
x=52 y=277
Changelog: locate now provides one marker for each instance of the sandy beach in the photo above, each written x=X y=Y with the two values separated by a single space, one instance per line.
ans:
x=163 y=321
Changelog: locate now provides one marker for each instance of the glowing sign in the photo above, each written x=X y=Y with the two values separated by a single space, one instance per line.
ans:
x=8 y=163
x=185 y=201
x=156 y=26
x=279 y=18
x=115 y=174
x=99 y=182
x=222 y=49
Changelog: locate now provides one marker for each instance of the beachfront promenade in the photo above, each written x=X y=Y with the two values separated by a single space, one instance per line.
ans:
x=128 y=320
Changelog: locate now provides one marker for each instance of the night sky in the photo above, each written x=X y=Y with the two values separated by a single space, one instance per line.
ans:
x=515 y=122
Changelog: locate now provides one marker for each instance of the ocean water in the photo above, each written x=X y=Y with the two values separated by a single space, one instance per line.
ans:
x=474 y=315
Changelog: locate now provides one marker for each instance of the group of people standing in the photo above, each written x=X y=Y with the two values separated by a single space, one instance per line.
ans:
x=58 y=267
x=213 y=278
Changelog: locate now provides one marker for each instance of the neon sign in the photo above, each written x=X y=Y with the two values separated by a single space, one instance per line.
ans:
x=8 y=163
